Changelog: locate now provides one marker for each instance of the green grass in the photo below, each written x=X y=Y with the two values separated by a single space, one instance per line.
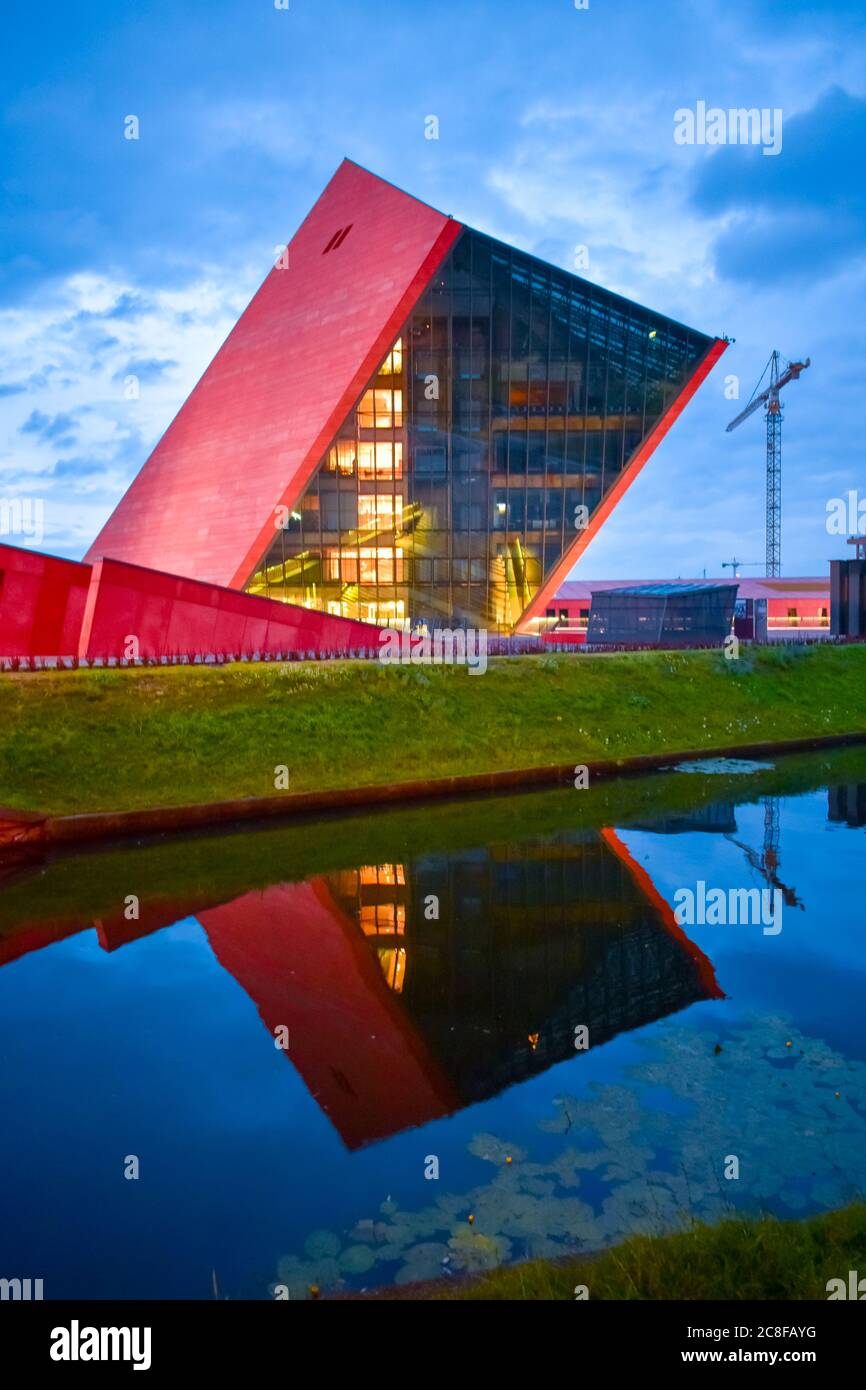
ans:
x=184 y=873
x=737 y=1259
x=120 y=740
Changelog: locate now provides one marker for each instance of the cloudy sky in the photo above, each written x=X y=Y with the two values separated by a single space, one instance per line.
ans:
x=556 y=129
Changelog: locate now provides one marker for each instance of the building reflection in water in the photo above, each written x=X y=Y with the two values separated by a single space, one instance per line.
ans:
x=410 y=990
x=847 y=804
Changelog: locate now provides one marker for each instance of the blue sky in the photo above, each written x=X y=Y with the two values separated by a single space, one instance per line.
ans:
x=556 y=130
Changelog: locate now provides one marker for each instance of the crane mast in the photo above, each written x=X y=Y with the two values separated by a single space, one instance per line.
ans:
x=769 y=398
x=773 y=557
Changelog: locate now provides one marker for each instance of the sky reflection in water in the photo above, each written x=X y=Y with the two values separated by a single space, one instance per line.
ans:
x=413 y=1036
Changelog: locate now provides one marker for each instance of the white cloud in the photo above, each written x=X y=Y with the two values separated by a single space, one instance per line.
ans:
x=572 y=168
x=68 y=351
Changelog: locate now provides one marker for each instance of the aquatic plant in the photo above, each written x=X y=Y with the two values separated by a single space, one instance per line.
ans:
x=790 y=1109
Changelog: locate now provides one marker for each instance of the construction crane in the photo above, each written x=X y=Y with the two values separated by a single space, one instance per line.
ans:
x=736 y=565
x=768 y=863
x=769 y=398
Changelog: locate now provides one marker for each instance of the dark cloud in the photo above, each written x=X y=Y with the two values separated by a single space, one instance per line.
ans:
x=797 y=215
x=56 y=430
x=77 y=468
x=128 y=307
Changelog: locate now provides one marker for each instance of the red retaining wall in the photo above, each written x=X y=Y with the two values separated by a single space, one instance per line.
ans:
x=42 y=602
x=170 y=616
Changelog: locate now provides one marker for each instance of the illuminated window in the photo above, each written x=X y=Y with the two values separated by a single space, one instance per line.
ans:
x=381 y=409
x=381 y=565
x=341 y=566
x=389 y=614
x=387 y=874
x=378 y=512
x=380 y=460
x=341 y=459
x=393 y=963
x=383 y=919
x=393 y=364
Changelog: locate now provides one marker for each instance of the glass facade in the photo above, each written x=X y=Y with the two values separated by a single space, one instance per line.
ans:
x=510 y=403
x=668 y=614
x=529 y=938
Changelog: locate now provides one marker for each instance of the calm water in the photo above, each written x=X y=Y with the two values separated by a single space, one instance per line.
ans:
x=428 y=971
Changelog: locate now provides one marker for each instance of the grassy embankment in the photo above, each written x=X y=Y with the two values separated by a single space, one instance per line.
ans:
x=184 y=873
x=737 y=1259
x=122 y=740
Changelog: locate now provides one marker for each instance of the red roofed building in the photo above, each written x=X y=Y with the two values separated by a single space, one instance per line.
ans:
x=793 y=605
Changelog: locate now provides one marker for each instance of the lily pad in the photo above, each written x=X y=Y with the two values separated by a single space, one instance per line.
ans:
x=423 y=1261
x=494 y=1150
x=322 y=1244
x=640 y=1164
x=472 y=1251
x=356 y=1259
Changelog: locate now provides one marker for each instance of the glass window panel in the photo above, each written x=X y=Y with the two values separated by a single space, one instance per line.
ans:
x=381 y=408
x=378 y=510
x=553 y=518
x=505 y=367
x=341 y=459
x=379 y=460
x=517 y=453
x=534 y=509
x=393 y=364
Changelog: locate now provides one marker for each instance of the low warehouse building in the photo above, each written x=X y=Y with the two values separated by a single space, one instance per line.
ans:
x=774 y=608
x=663 y=615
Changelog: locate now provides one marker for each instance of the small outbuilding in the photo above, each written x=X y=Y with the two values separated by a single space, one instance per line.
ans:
x=662 y=615
x=848 y=592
